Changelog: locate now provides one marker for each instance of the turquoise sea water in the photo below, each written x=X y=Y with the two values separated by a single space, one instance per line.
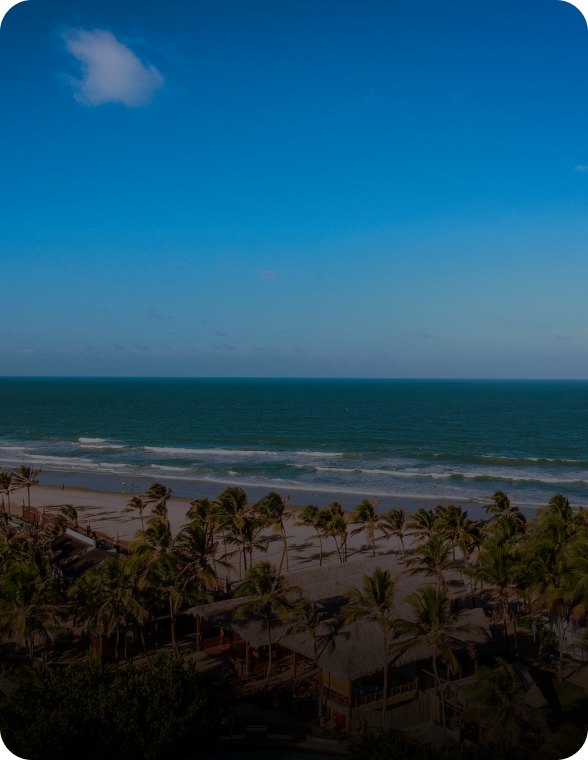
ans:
x=443 y=440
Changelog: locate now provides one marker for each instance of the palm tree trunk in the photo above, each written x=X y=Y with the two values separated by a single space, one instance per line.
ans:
x=560 y=636
x=337 y=547
x=285 y=549
x=142 y=632
x=505 y=630
x=402 y=542
x=172 y=620
x=29 y=492
x=116 y=645
x=321 y=549
x=385 y=683
x=269 y=652
x=443 y=720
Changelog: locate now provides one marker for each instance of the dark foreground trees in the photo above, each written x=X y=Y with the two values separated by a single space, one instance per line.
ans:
x=87 y=711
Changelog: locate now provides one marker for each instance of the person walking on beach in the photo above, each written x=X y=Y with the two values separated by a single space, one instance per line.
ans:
x=123 y=486
x=63 y=486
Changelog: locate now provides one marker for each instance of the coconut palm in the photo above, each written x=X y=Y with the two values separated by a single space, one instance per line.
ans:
x=27 y=605
x=306 y=619
x=312 y=517
x=435 y=625
x=497 y=700
x=272 y=510
x=392 y=524
x=267 y=589
x=26 y=477
x=421 y=525
x=158 y=495
x=247 y=536
x=197 y=549
x=235 y=511
x=374 y=603
x=70 y=513
x=501 y=572
x=106 y=597
x=365 y=516
x=335 y=525
x=176 y=584
x=456 y=527
x=577 y=578
x=432 y=558
x=151 y=543
x=501 y=506
x=139 y=504
x=7 y=485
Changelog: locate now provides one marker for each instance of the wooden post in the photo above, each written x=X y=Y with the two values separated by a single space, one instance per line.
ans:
x=198 y=634
x=320 y=685
x=294 y=663
x=350 y=704
x=247 y=658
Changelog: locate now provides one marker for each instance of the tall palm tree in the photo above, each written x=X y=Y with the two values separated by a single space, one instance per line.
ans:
x=246 y=535
x=392 y=524
x=70 y=513
x=272 y=510
x=501 y=505
x=26 y=477
x=432 y=558
x=497 y=699
x=365 y=516
x=306 y=619
x=501 y=572
x=334 y=524
x=422 y=524
x=267 y=590
x=7 y=485
x=312 y=517
x=176 y=584
x=158 y=495
x=436 y=626
x=374 y=602
x=235 y=511
x=455 y=525
x=139 y=504
x=106 y=597
x=27 y=605
x=151 y=543
x=197 y=547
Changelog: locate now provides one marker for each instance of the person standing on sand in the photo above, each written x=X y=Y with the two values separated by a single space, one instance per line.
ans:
x=63 y=486
x=123 y=486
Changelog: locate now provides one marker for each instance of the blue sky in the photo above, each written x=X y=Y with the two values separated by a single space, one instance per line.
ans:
x=333 y=189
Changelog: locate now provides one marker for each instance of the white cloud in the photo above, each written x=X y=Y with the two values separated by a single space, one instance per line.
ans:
x=581 y=168
x=111 y=73
x=268 y=274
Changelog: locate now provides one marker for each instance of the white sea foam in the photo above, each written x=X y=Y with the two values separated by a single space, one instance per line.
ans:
x=210 y=452
x=92 y=440
x=169 y=467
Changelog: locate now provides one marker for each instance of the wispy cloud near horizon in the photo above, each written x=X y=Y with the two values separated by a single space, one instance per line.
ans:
x=111 y=72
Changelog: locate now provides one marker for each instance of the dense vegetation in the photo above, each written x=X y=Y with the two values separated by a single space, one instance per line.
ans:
x=523 y=569
x=88 y=711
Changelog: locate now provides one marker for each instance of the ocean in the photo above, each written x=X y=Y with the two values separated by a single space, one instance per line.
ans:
x=441 y=440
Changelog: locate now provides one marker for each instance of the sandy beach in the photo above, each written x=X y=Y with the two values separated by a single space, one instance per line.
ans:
x=103 y=510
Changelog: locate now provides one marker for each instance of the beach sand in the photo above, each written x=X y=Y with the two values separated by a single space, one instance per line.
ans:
x=103 y=511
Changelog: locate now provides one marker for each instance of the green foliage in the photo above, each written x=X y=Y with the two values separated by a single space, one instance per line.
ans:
x=93 y=712
x=394 y=745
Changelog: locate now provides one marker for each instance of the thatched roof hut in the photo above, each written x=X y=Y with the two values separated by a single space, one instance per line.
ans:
x=346 y=651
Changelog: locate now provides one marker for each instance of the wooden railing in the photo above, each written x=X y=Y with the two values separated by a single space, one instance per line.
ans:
x=335 y=696
x=396 y=694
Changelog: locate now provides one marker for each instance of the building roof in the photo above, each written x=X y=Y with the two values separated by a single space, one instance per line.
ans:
x=347 y=651
x=75 y=555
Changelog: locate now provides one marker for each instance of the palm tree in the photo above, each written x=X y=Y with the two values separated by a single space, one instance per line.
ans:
x=334 y=524
x=392 y=524
x=498 y=698
x=155 y=540
x=198 y=549
x=177 y=585
x=27 y=605
x=306 y=619
x=501 y=506
x=139 y=504
x=501 y=571
x=422 y=524
x=106 y=597
x=272 y=510
x=365 y=516
x=247 y=536
x=7 y=485
x=70 y=513
x=312 y=517
x=455 y=525
x=374 y=603
x=436 y=626
x=235 y=510
x=432 y=558
x=25 y=477
x=267 y=589
x=158 y=495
